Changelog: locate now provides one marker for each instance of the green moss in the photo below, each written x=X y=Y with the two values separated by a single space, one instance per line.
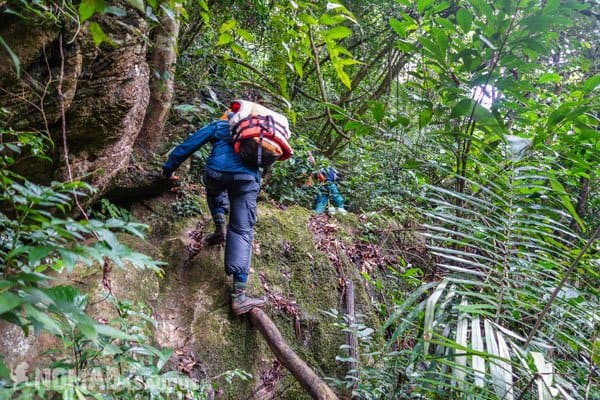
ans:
x=194 y=294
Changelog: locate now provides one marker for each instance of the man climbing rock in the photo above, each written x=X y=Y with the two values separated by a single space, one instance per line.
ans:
x=232 y=187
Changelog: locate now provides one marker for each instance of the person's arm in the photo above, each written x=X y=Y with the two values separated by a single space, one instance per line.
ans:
x=188 y=147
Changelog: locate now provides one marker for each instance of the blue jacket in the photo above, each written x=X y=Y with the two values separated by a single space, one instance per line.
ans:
x=222 y=157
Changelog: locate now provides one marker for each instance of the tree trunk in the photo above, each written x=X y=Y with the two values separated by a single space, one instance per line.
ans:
x=162 y=77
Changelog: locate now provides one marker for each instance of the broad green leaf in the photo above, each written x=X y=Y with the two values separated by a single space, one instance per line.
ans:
x=483 y=8
x=69 y=258
x=163 y=357
x=87 y=8
x=484 y=115
x=596 y=351
x=422 y=5
x=4 y=371
x=551 y=6
x=538 y=23
x=37 y=253
x=308 y=19
x=113 y=332
x=244 y=34
x=425 y=118
x=344 y=77
x=239 y=50
x=224 y=38
x=549 y=77
x=334 y=6
x=79 y=393
x=298 y=67
x=446 y=23
x=89 y=331
x=378 y=110
x=433 y=49
x=398 y=27
x=559 y=114
x=464 y=19
x=17 y=252
x=591 y=83
x=228 y=26
x=98 y=34
x=8 y=301
x=328 y=19
x=338 y=32
x=110 y=349
x=462 y=108
x=45 y=321
x=441 y=40
x=138 y=4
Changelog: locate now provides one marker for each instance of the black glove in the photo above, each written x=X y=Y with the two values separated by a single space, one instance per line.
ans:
x=166 y=173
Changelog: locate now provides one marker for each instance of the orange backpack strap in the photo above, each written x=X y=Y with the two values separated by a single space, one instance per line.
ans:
x=262 y=128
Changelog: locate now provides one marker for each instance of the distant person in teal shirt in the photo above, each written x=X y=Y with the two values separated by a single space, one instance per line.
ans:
x=328 y=192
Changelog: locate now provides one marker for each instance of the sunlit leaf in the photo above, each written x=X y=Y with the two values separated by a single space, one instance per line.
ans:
x=549 y=77
x=398 y=27
x=227 y=26
x=98 y=34
x=87 y=8
x=338 y=32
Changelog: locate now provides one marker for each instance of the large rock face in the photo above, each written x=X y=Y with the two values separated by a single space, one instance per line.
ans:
x=104 y=93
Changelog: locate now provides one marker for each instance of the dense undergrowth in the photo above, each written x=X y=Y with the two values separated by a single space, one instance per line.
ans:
x=471 y=122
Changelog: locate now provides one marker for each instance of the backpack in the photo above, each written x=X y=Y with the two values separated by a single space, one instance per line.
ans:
x=260 y=135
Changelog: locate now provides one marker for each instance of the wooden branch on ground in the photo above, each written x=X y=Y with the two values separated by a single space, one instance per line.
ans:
x=284 y=353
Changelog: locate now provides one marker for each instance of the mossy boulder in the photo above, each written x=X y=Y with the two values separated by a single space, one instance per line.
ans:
x=190 y=299
x=299 y=281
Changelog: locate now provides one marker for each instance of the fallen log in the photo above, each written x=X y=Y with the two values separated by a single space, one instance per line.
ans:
x=284 y=353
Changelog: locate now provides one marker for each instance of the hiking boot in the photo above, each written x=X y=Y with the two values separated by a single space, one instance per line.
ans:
x=220 y=233
x=241 y=303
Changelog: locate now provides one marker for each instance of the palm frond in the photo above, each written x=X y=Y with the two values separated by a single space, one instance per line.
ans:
x=504 y=245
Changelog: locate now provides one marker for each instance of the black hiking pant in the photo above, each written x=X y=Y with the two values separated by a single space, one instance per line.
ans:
x=234 y=194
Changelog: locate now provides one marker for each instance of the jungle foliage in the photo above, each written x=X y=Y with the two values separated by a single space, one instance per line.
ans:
x=482 y=115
